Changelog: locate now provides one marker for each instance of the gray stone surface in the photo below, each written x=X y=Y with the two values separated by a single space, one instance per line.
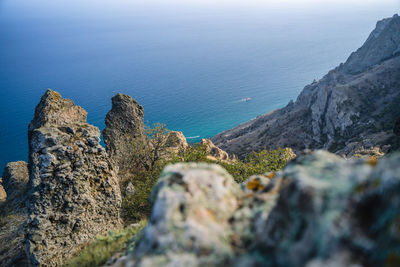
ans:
x=189 y=223
x=13 y=215
x=124 y=124
x=215 y=152
x=321 y=210
x=342 y=112
x=3 y=194
x=15 y=177
x=74 y=192
x=175 y=142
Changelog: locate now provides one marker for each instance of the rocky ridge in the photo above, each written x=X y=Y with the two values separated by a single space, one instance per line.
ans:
x=353 y=108
x=71 y=191
x=320 y=210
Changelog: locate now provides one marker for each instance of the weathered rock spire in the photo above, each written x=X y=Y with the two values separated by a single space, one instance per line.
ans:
x=124 y=124
x=74 y=192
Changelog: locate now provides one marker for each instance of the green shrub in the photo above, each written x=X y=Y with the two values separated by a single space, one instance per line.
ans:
x=257 y=163
x=103 y=247
x=137 y=206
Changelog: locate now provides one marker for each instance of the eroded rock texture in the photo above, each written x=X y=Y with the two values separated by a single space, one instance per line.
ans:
x=3 y=194
x=124 y=126
x=215 y=153
x=13 y=215
x=321 y=210
x=74 y=192
x=175 y=142
x=15 y=177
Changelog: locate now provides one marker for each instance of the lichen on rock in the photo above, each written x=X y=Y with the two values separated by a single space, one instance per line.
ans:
x=320 y=210
x=74 y=192
x=190 y=218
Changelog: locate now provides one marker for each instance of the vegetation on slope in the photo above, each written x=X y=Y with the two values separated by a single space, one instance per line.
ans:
x=104 y=247
x=137 y=206
x=148 y=162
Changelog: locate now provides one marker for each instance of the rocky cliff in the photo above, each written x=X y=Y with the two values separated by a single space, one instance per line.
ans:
x=321 y=210
x=74 y=191
x=124 y=124
x=72 y=194
x=352 y=109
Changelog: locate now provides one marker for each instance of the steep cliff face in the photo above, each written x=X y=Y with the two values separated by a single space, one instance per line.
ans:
x=354 y=107
x=74 y=193
x=383 y=43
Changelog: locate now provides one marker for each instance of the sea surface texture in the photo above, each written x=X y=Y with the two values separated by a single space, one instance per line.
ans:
x=199 y=67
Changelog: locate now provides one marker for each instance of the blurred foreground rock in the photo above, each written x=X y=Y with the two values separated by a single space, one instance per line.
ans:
x=321 y=210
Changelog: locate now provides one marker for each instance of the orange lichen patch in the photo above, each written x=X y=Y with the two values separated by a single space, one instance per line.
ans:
x=270 y=175
x=392 y=259
x=211 y=214
x=205 y=214
x=254 y=184
x=56 y=96
x=372 y=161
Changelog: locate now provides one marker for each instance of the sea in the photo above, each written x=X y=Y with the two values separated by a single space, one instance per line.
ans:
x=200 y=67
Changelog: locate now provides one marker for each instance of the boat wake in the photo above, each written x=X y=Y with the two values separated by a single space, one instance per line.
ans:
x=193 y=137
x=247 y=99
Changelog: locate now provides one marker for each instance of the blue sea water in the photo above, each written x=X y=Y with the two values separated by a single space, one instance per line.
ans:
x=190 y=64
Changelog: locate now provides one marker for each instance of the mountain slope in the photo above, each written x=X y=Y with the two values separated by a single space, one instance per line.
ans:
x=354 y=107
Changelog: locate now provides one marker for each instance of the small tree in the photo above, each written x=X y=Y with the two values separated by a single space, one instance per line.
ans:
x=146 y=153
x=147 y=164
x=158 y=135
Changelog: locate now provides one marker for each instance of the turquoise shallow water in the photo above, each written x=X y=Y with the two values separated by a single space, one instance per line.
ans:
x=189 y=65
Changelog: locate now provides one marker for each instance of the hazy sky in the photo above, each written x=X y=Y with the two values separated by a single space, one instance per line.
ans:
x=215 y=3
x=256 y=3
x=107 y=8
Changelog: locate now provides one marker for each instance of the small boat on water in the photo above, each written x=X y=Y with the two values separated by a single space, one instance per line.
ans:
x=247 y=99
